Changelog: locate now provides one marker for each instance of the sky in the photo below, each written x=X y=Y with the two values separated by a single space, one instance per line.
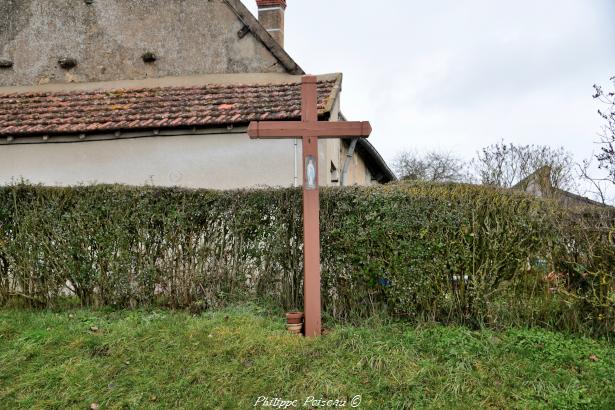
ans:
x=459 y=75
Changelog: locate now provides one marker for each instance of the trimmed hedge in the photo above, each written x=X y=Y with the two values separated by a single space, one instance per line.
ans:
x=449 y=253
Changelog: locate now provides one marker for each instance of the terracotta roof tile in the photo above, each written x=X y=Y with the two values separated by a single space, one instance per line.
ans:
x=146 y=108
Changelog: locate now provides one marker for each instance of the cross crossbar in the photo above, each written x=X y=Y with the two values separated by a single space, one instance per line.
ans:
x=298 y=129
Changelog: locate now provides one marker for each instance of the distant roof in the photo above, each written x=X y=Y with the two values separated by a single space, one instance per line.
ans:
x=579 y=199
x=542 y=180
x=152 y=104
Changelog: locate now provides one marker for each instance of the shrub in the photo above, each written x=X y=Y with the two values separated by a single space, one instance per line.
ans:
x=448 y=253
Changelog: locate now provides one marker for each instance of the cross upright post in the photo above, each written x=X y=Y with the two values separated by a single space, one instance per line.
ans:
x=311 y=211
x=309 y=129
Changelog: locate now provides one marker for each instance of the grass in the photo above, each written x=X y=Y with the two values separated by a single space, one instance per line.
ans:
x=227 y=359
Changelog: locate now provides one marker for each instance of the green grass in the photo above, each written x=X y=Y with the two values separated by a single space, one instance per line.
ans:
x=227 y=359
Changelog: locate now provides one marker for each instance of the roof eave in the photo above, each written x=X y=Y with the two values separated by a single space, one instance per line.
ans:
x=377 y=166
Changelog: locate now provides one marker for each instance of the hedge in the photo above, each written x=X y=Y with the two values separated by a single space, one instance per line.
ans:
x=447 y=253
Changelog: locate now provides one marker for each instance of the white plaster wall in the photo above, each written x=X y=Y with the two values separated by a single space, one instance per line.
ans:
x=214 y=161
x=218 y=161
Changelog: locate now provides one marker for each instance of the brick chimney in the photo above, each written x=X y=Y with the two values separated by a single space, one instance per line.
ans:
x=271 y=16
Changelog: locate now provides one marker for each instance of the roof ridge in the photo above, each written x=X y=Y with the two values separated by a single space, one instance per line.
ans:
x=203 y=80
x=142 y=89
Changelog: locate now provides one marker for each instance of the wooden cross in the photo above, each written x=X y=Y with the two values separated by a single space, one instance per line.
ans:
x=309 y=129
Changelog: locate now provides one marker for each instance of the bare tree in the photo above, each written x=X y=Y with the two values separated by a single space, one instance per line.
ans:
x=596 y=187
x=607 y=155
x=505 y=165
x=435 y=166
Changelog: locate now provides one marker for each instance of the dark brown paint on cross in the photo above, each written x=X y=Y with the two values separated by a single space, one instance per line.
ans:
x=309 y=129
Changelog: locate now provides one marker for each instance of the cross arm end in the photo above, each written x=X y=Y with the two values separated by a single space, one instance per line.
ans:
x=366 y=129
x=253 y=130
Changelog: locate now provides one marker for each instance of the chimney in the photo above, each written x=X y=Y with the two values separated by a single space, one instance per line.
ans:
x=271 y=17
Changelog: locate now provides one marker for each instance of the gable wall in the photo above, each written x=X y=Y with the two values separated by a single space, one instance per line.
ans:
x=108 y=38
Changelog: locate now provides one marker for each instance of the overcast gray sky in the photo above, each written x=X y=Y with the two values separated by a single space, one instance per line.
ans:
x=459 y=75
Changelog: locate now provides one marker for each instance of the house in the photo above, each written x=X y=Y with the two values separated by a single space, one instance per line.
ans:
x=540 y=183
x=159 y=92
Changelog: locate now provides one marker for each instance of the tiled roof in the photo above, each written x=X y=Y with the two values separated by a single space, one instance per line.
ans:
x=89 y=111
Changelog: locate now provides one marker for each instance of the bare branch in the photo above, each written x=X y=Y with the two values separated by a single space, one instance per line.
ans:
x=432 y=166
x=506 y=165
x=606 y=157
x=599 y=189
